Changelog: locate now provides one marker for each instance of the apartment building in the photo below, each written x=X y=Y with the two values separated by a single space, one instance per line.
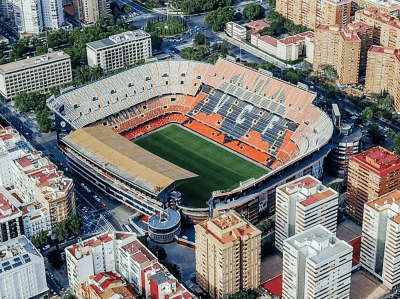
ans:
x=33 y=16
x=35 y=74
x=315 y=12
x=372 y=173
x=380 y=238
x=11 y=225
x=344 y=48
x=386 y=26
x=105 y=285
x=302 y=204
x=316 y=264
x=89 y=11
x=119 y=257
x=236 y=31
x=36 y=218
x=22 y=268
x=383 y=73
x=119 y=50
x=227 y=255
x=12 y=146
x=38 y=179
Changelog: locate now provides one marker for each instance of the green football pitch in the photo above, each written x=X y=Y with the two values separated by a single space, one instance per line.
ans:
x=217 y=168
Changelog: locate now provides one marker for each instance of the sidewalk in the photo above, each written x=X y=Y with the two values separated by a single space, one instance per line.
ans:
x=253 y=51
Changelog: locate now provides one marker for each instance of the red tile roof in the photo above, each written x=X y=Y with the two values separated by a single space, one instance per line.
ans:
x=269 y=40
x=24 y=161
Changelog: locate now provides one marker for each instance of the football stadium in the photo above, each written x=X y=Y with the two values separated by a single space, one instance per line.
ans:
x=199 y=138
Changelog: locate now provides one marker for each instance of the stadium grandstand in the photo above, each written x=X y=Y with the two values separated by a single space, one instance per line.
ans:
x=262 y=118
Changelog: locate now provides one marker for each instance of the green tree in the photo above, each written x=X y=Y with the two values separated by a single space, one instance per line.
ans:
x=330 y=72
x=200 y=39
x=159 y=252
x=367 y=114
x=69 y=296
x=191 y=54
x=375 y=134
x=397 y=144
x=244 y=294
x=41 y=239
x=127 y=9
x=74 y=224
x=272 y=3
x=290 y=75
x=253 y=11
x=237 y=16
x=173 y=269
x=144 y=241
x=156 y=41
x=53 y=40
x=218 y=18
x=61 y=231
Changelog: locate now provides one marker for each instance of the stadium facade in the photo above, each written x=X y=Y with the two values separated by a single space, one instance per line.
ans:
x=267 y=120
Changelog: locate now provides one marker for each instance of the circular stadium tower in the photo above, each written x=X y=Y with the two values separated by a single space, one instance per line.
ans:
x=164 y=226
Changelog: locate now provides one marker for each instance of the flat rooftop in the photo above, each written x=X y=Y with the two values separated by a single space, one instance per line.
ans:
x=33 y=62
x=389 y=201
x=118 y=39
x=318 y=243
x=378 y=160
x=125 y=159
x=307 y=190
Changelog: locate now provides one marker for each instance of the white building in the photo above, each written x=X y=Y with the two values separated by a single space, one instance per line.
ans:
x=36 y=218
x=94 y=256
x=381 y=238
x=302 y=204
x=316 y=264
x=119 y=50
x=12 y=146
x=35 y=74
x=22 y=274
x=33 y=16
x=235 y=31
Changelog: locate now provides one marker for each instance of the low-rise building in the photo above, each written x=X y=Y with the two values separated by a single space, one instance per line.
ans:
x=236 y=31
x=290 y=48
x=36 y=178
x=302 y=204
x=383 y=73
x=35 y=74
x=316 y=264
x=36 y=218
x=119 y=50
x=343 y=48
x=22 y=271
x=380 y=238
x=255 y=26
x=106 y=285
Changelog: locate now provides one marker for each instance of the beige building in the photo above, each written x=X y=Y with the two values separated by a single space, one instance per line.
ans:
x=386 y=27
x=35 y=74
x=302 y=204
x=228 y=255
x=344 y=48
x=311 y=13
x=383 y=73
x=38 y=179
x=119 y=50
x=235 y=31
x=381 y=238
x=89 y=11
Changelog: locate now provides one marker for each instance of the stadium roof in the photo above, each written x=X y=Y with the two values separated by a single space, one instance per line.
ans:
x=126 y=159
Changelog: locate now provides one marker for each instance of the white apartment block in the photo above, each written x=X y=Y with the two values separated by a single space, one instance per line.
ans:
x=119 y=50
x=381 y=238
x=12 y=146
x=22 y=272
x=302 y=204
x=36 y=218
x=316 y=265
x=235 y=31
x=35 y=74
x=33 y=16
x=94 y=256
x=89 y=11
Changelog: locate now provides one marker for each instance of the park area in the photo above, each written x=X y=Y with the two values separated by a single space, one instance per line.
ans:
x=216 y=167
x=166 y=27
